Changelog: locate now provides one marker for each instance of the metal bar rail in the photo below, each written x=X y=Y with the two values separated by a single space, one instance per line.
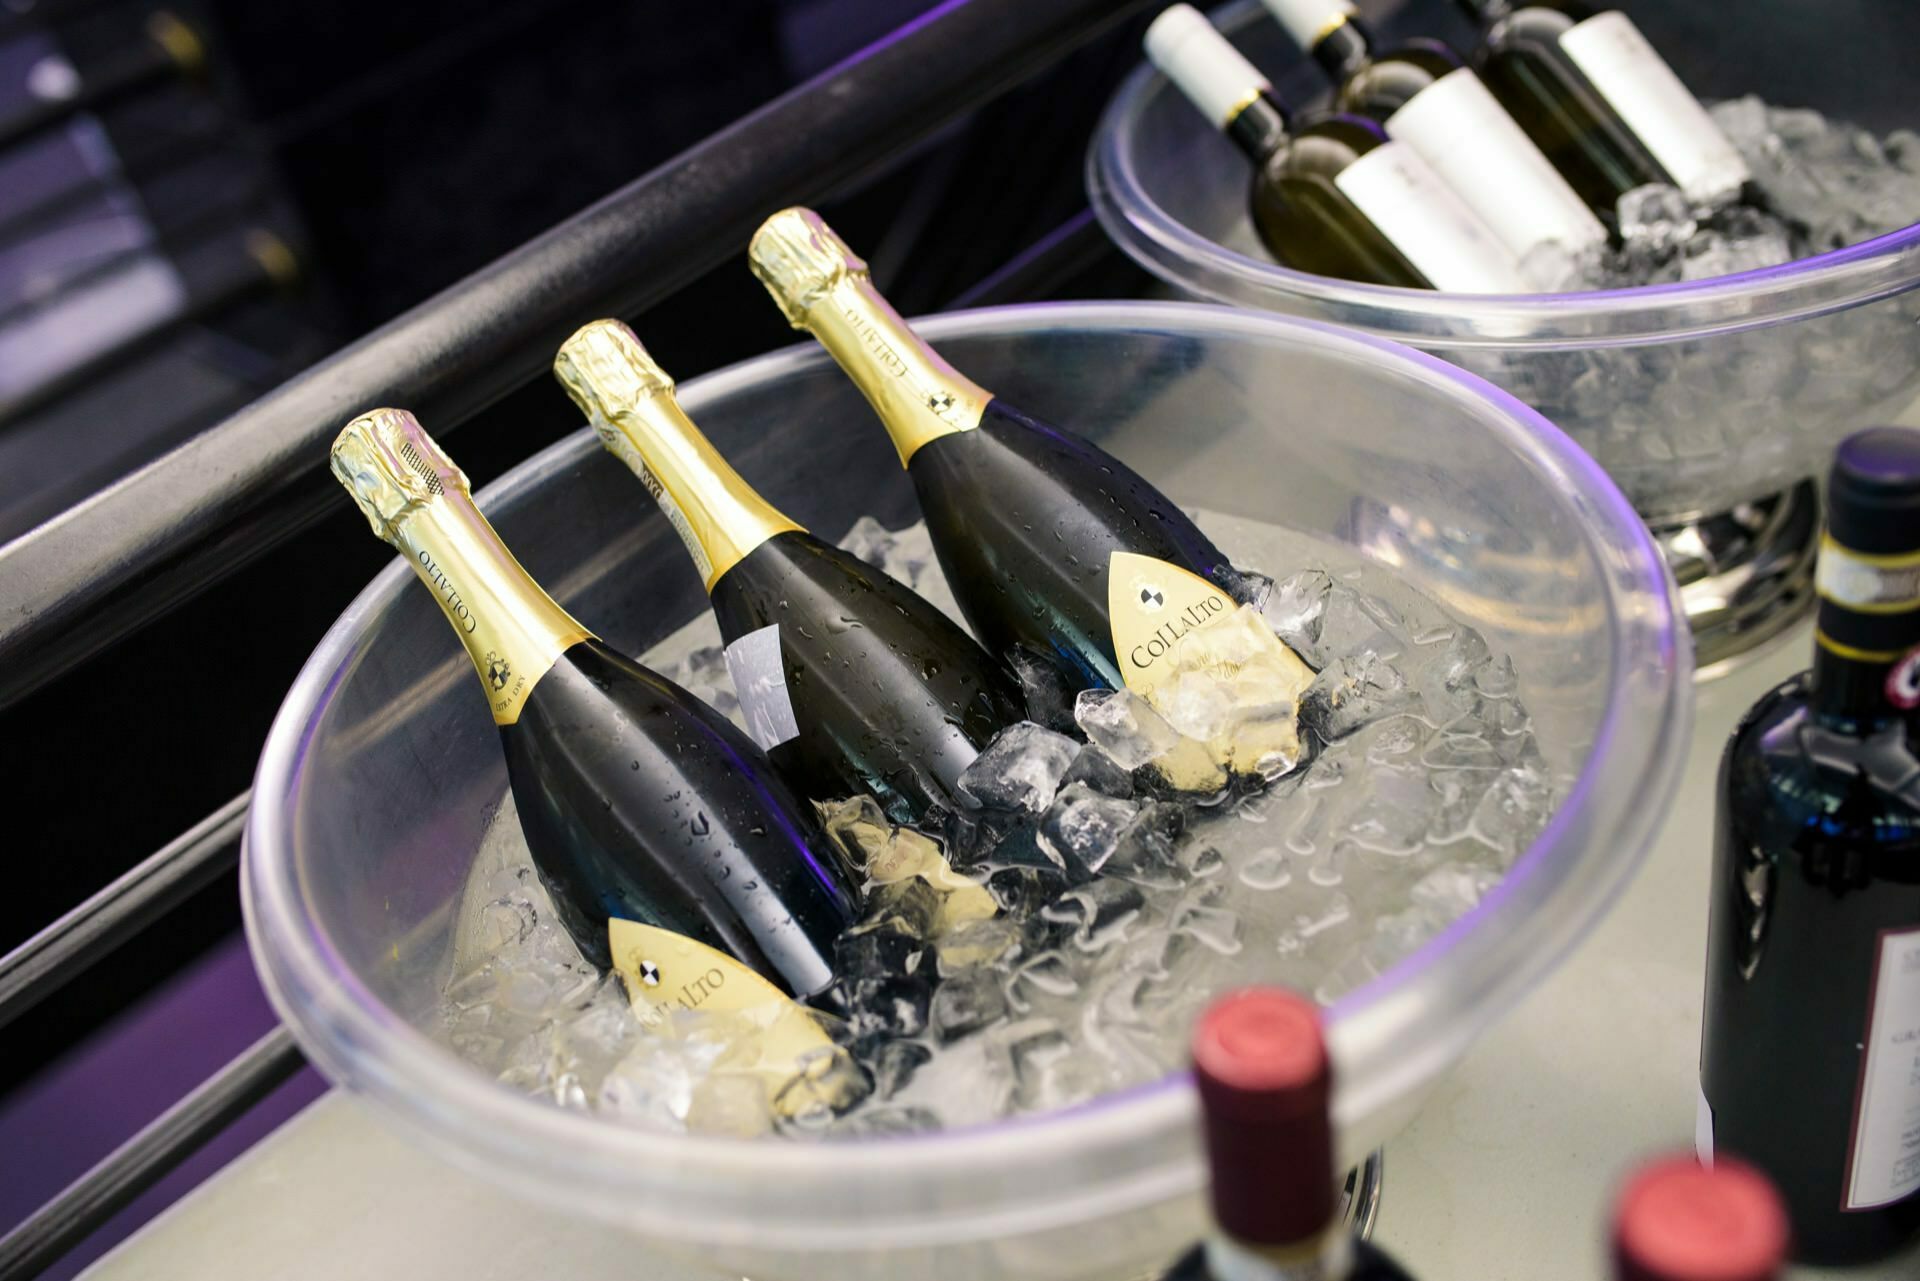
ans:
x=112 y=564
x=148 y=890
x=148 y=1156
x=115 y=562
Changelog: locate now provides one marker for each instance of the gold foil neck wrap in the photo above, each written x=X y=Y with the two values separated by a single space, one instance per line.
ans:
x=386 y=460
x=629 y=401
x=800 y=260
x=607 y=371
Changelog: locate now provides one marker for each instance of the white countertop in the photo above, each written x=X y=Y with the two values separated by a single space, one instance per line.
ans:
x=1504 y=1176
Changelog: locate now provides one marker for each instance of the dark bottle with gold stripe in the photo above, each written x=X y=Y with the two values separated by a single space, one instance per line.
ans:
x=671 y=848
x=1810 y=1053
x=849 y=680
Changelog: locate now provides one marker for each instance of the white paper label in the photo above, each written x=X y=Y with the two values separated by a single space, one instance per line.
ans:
x=1468 y=138
x=1429 y=223
x=760 y=679
x=1644 y=91
x=1885 y=1162
x=622 y=448
x=1703 y=1129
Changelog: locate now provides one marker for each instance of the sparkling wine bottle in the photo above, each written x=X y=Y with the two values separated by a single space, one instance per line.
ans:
x=1336 y=195
x=1265 y=1082
x=1601 y=102
x=1810 y=1053
x=671 y=848
x=1677 y=1220
x=849 y=680
x=1048 y=542
x=1427 y=97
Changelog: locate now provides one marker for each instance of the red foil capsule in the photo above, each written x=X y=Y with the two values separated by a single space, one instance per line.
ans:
x=1680 y=1221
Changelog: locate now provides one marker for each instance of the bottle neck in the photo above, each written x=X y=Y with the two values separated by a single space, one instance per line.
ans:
x=718 y=516
x=1343 y=48
x=1260 y=127
x=918 y=395
x=512 y=629
x=1327 y=1256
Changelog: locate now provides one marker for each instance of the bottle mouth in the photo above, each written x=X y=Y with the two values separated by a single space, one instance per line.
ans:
x=799 y=258
x=390 y=465
x=605 y=369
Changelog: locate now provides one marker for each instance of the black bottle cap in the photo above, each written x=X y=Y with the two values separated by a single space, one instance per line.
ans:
x=1260 y=1064
x=1873 y=492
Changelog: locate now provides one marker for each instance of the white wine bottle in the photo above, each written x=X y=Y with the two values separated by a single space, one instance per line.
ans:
x=1601 y=102
x=849 y=680
x=1334 y=195
x=671 y=848
x=1426 y=96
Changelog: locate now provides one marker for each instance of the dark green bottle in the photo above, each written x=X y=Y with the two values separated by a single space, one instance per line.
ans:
x=1810 y=1054
x=640 y=804
x=1335 y=195
x=849 y=680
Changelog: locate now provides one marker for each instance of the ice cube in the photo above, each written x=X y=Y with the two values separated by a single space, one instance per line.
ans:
x=1196 y=704
x=1656 y=218
x=1296 y=610
x=1048 y=694
x=1020 y=770
x=1514 y=810
x=1452 y=890
x=909 y=556
x=1714 y=253
x=894 y=1064
x=1099 y=911
x=731 y=1103
x=1082 y=828
x=1267 y=869
x=977 y=944
x=1354 y=691
x=1554 y=268
x=1099 y=771
x=1124 y=725
x=1215 y=928
x=869 y=540
x=966 y=1003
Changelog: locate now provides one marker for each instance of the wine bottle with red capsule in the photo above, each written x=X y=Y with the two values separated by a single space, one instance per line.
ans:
x=1265 y=1081
x=1677 y=1220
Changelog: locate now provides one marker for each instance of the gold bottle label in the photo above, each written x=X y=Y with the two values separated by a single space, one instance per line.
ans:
x=416 y=499
x=630 y=401
x=1169 y=622
x=889 y=854
x=770 y=1035
x=823 y=287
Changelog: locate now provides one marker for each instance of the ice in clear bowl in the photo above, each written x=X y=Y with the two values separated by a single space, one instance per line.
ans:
x=382 y=768
x=1695 y=397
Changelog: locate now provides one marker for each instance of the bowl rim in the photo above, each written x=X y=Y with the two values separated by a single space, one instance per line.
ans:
x=358 y=1041
x=1143 y=229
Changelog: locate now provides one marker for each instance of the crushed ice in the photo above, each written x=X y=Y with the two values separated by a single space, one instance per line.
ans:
x=1053 y=941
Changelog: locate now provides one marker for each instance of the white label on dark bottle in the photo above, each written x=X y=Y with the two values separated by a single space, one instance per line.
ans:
x=760 y=679
x=1474 y=145
x=1703 y=1129
x=1884 y=1164
x=1428 y=222
x=1644 y=91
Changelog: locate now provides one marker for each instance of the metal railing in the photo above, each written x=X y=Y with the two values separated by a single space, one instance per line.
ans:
x=110 y=565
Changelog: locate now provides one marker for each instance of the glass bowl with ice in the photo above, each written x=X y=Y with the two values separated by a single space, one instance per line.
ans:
x=1710 y=362
x=1490 y=736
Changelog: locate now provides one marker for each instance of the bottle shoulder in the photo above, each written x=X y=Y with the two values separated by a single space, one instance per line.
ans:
x=1797 y=785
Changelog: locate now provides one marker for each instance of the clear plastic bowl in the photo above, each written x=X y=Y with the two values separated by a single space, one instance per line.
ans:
x=1696 y=397
x=382 y=769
